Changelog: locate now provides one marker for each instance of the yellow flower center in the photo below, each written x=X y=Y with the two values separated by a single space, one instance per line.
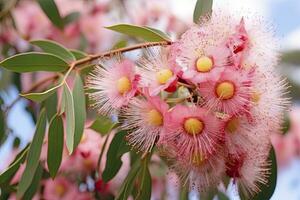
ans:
x=193 y=126
x=197 y=159
x=204 y=64
x=123 y=85
x=155 y=118
x=225 y=90
x=60 y=190
x=163 y=76
x=255 y=97
x=232 y=125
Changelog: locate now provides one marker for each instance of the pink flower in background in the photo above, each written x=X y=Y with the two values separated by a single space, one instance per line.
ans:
x=62 y=189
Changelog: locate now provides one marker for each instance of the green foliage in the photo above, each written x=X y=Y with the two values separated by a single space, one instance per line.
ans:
x=222 y=196
x=33 y=155
x=291 y=57
x=50 y=9
x=116 y=149
x=2 y=124
x=55 y=144
x=103 y=125
x=55 y=49
x=120 y=44
x=145 y=186
x=79 y=109
x=202 y=8
x=78 y=54
x=70 y=117
x=50 y=105
x=35 y=183
x=148 y=34
x=7 y=175
x=34 y=61
x=71 y=17
x=268 y=189
x=41 y=96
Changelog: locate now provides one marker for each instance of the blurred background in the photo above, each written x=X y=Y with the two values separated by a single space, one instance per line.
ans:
x=24 y=20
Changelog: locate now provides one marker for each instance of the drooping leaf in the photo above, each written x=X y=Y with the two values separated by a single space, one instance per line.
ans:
x=116 y=149
x=50 y=9
x=140 y=32
x=41 y=96
x=159 y=32
x=70 y=117
x=14 y=166
x=55 y=144
x=34 y=61
x=71 y=17
x=268 y=189
x=78 y=54
x=54 y=48
x=33 y=155
x=51 y=106
x=35 y=183
x=103 y=125
x=202 y=8
x=128 y=183
x=79 y=109
x=222 y=196
x=144 y=191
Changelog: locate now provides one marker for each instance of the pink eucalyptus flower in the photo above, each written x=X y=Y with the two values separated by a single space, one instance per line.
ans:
x=145 y=118
x=193 y=130
x=230 y=93
x=114 y=86
x=157 y=72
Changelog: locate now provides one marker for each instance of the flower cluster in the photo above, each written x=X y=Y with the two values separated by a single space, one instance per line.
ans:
x=208 y=102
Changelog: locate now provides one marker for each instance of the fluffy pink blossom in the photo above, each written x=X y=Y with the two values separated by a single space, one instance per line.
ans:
x=157 y=72
x=145 y=119
x=114 y=85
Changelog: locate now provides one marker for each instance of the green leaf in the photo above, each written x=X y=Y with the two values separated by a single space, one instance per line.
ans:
x=54 y=48
x=222 y=196
x=14 y=166
x=79 y=109
x=71 y=17
x=145 y=187
x=267 y=190
x=78 y=54
x=70 y=117
x=291 y=57
x=33 y=155
x=286 y=124
x=41 y=96
x=128 y=183
x=139 y=32
x=120 y=44
x=50 y=9
x=55 y=144
x=34 y=61
x=116 y=149
x=202 y=8
x=103 y=125
x=35 y=183
x=159 y=32
x=2 y=126
x=184 y=192
x=51 y=106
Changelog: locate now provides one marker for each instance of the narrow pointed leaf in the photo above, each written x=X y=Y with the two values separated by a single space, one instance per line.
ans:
x=145 y=187
x=14 y=166
x=35 y=183
x=33 y=155
x=51 y=106
x=103 y=125
x=55 y=144
x=202 y=8
x=116 y=149
x=78 y=54
x=54 y=48
x=50 y=9
x=71 y=17
x=34 y=61
x=79 y=109
x=140 y=32
x=70 y=117
x=268 y=189
x=41 y=96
